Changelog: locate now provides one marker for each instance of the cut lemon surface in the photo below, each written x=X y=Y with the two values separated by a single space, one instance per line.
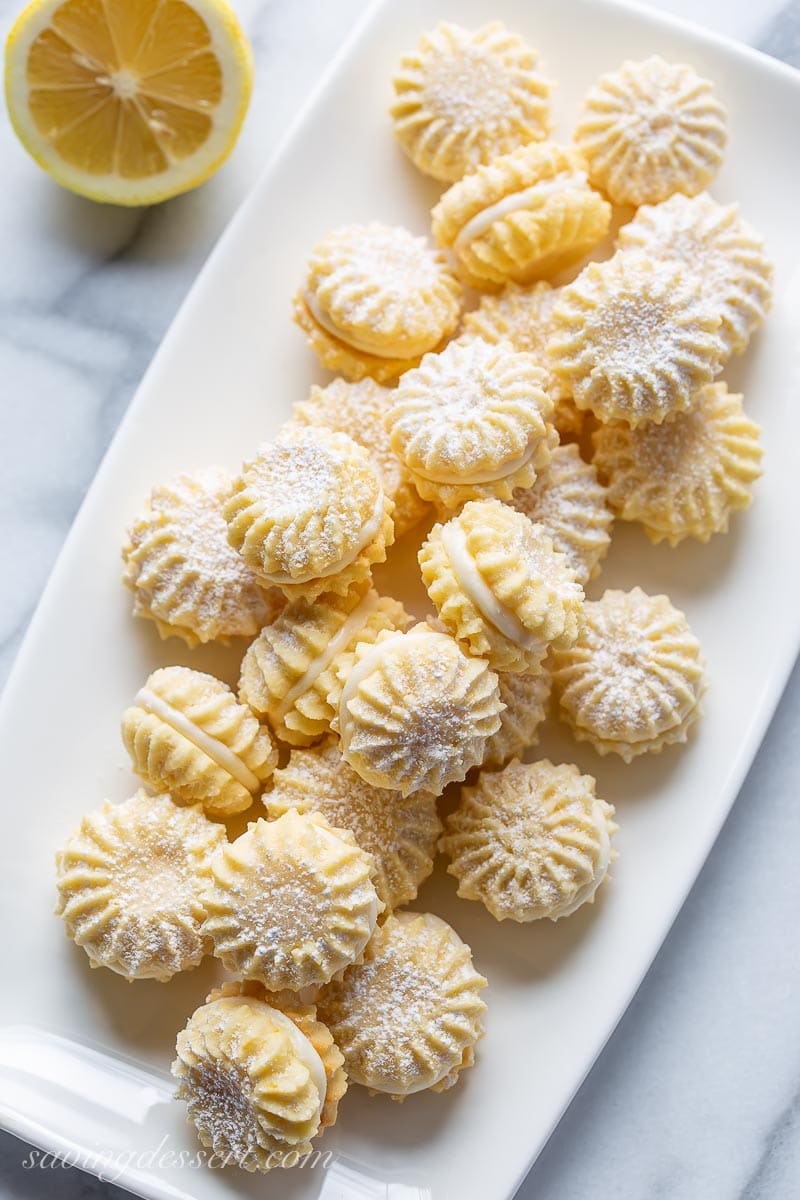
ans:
x=128 y=101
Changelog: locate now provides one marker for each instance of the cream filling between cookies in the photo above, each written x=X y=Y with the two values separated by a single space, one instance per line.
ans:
x=508 y=468
x=474 y=585
x=360 y=672
x=305 y=1052
x=526 y=199
x=337 y=643
x=368 y=532
x=349 y=339
x=216 y=750
x=587 y=891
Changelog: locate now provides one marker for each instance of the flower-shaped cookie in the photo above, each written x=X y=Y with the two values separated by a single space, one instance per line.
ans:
x=525 y=697
x=650 y=129
x=183 y=572
x=359 y=409
x=530 y=841
x=500 y=587
x=186 y=734
x=415 y=711
x=308 y=513
x=570 y=503
x=466 y=96
x=522 y=316
x=129 y=882
x=400 y=833
x=632 y=682
x=375 y=299
x=407 y=1018
x=472 y=422
x=635 y=338
x=525 y=216
x=722 y=250
x=259 y=1080
x=290 y=668
x=291 y=902
x=683 y=478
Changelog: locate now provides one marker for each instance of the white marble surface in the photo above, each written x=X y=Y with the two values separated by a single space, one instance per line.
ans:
x=697 y=1096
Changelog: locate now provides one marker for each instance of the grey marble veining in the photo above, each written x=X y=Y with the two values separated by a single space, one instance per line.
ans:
x=697 y=1095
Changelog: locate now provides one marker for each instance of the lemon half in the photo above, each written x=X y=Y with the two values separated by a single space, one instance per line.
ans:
x=128 y=101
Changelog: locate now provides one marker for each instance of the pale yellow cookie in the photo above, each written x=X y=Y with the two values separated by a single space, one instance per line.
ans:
x=525 y=697
x=291 y=902
x=359 y=409
x=308 y=513
x=635 y=338
x=522 y=316
x=414 y=711
x=472 y=422
x=723 y=251
x=530 y=841
x=500 y=587
x=649 y=129
x=569 y=501
x=683 y=478
x=375 y=299
x=632 y=682
x=187 y=734
x=129 y=882
x=407 y=1018
x=526 y=216
x=290 y=668
x=257 y=1079
x=464 y=96
x=399 y=833
x=184 y=574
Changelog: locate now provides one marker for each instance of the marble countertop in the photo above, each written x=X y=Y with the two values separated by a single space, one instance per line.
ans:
x=697 y=1095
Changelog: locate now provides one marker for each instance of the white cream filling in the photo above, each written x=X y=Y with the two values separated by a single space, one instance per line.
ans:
x=349 y=339
x=216 y=750
x=361 y=670
x=305 y=1052
x=526 y=199
x=508 y=468
x=337 y=643
x=368 y=532
x=472 y=582
x=590 y=887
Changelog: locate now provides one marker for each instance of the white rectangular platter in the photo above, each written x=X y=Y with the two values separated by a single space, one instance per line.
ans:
x=84 y=1056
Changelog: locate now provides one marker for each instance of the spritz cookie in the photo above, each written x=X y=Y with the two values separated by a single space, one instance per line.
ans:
x=375 y=299
x=129 y=882
x=721 y=249
x=400 y=833
x=686 y=477
x=571 y=504
x=407 y=1018
x=359 y=409
x=259 y=1081
x=525 y=697
x=464 y=96
x=635 y=338
x=289 y=670
x=291 y=902
x=649 y=129
x=632 y=682
x=500 y=587
x=472 y=422
x=415 y=711
x=308 y=513
x=184 y=574
x=522 y=316
x=525 y=216
x=530 y=841
x=187 y=734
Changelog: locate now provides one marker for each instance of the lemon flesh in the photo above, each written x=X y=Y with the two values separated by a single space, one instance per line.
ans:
x=128 y=101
